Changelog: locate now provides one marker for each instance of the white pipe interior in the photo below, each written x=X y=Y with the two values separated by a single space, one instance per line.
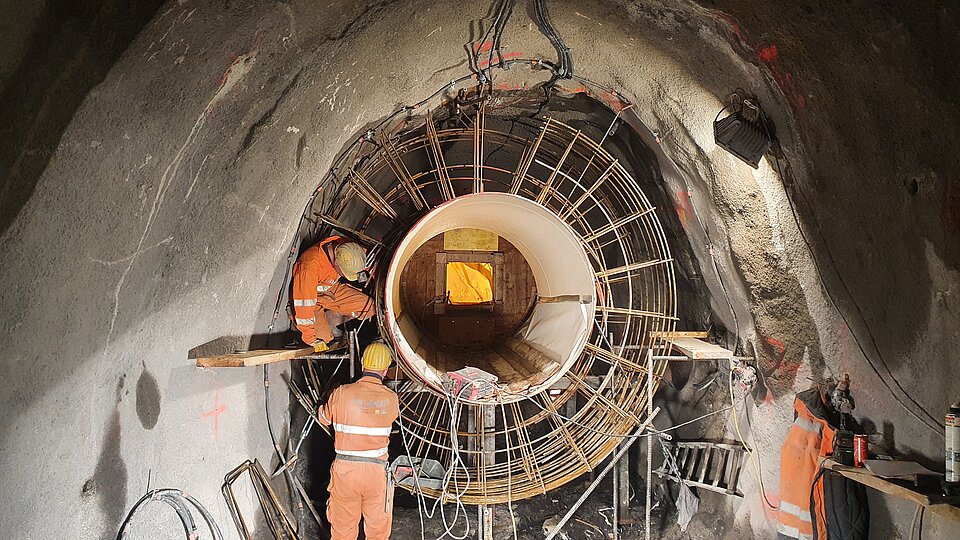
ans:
x=556 y=258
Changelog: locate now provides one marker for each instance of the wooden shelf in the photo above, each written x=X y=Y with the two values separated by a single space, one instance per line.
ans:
x=252 y=358
x=890 y=487
x=697 y=349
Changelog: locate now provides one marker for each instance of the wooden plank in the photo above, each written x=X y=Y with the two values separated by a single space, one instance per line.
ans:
x=865 y=477
x=700 y=350
x=252 y=358
x=697 y=335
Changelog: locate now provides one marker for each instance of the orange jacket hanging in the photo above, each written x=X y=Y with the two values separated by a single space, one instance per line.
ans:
x=810 y=438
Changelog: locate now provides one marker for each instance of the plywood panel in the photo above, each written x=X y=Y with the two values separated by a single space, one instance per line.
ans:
x=418 y=283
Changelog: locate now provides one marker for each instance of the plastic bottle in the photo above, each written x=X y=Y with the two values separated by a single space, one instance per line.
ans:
x=952 y=421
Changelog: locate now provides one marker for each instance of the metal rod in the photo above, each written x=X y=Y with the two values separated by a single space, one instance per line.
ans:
x=443 y=174
x=553 y=175
x=525 y=163
x=478 y=132
x=596 y=481
x=646 y=517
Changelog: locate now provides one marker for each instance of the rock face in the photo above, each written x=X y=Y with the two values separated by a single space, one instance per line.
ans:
x=152 y=187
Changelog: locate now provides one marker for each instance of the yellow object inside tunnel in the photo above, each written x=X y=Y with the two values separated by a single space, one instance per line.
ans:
x=470 y=283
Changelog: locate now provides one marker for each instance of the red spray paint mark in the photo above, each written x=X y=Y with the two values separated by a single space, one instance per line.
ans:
x=613 y=100
x=778 y=347
x=482 y=47
x=683 y=206
x=770 y=56
x=780 y=371
x=774 y=498
x=218 y=408
x=511 y=86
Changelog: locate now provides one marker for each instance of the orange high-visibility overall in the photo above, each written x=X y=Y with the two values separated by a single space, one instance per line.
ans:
x=317 y=289
x=361 y=414
x=810 y=437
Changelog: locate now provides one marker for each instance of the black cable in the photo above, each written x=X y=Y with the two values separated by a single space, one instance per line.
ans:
x=936 y=425
x=565 y=59
x=177 y=500
x=503 y=15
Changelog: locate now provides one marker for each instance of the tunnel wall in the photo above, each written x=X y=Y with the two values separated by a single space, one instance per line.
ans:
x=162 y=221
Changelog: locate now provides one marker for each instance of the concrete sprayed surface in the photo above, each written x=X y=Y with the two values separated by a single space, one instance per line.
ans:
x=158 y=218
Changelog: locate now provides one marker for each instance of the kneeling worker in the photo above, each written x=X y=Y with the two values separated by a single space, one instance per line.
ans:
x=317 y=289
x=362 y=414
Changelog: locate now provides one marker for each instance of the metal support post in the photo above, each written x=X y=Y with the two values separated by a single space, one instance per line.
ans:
x=593 y=485
x=488 y=447
x=622 y=477
x=646 y=511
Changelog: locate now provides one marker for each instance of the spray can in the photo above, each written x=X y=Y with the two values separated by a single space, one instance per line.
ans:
x=860 y=450
x=952 y=421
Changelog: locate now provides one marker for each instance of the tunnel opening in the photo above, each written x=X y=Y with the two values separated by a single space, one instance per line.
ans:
x=526 y=341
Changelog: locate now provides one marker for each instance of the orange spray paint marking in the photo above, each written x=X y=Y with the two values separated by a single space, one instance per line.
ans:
x=683 y=206
x=218 y=408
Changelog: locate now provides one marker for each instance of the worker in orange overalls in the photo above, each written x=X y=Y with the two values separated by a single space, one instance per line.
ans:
x=317 y=290
x=362 y=414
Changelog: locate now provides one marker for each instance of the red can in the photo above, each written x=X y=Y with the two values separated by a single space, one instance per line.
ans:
x=859 y=450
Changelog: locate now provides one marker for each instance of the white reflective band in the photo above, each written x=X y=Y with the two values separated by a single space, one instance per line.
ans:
x=807 y=425
x=361 y=430
x=304 y=322
x=304 y=303
x=364 y=453
x=323 y=288
x=792 y=532
x=794 y=510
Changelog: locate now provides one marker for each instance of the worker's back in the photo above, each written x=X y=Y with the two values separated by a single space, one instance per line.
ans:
x=362 y=414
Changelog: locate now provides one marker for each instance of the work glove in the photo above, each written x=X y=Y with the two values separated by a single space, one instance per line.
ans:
x=320 y=346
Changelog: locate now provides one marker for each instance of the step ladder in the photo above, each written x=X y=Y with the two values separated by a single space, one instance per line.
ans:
x=708 y=465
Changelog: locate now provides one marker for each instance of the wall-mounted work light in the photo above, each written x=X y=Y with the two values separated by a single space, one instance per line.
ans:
x=745 y=133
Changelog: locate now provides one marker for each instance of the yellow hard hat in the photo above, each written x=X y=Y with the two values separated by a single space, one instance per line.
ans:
x=377 y=357
x=351 y=259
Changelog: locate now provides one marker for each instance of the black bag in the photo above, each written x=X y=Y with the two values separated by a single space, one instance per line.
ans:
x=845 y=508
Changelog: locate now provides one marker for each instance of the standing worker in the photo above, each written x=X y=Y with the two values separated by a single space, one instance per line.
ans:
x=317 y=290
x=362 y=414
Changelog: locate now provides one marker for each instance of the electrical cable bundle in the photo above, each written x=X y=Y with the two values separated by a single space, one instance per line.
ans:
x=180 y=502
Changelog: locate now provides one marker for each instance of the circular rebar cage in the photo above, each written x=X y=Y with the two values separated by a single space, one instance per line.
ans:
x=504 y=450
